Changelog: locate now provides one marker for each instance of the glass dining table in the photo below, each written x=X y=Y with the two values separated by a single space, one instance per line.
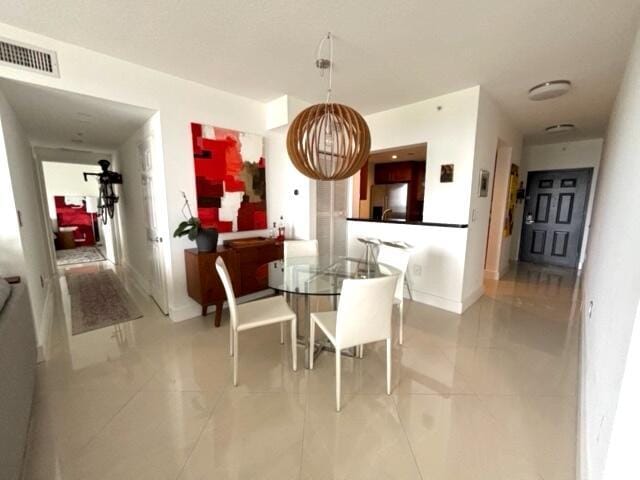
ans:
x=301 y=278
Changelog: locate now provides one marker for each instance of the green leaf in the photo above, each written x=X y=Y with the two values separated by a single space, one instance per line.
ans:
x=188 y=227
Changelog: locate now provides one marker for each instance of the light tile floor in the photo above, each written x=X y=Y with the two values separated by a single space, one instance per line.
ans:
x=490 y=394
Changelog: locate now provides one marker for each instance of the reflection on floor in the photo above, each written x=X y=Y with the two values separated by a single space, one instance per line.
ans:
x=490 y=394
x=78 y=255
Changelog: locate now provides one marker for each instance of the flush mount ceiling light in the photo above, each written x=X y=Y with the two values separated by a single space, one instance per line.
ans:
x=548 y=90
x=328 y=141
x=560 y=128
x=394 y=156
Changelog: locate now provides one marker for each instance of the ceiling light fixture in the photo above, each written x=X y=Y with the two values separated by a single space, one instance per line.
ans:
x=328 y=141
x=548 y=90
x=560 y=128
x=394 y=156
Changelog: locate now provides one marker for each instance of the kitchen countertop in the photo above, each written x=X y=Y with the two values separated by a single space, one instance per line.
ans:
x=413 y=222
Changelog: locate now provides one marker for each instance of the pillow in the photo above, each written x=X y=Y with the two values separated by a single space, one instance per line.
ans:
x=5 y=292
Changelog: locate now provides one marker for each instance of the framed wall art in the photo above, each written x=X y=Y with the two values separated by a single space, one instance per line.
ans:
x=230 y=173
x=446 y=173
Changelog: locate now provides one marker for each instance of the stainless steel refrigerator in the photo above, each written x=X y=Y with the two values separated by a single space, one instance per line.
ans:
x=393 y=197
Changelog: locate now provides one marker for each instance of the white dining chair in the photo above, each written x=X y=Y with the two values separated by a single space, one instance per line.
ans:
x=398 y=258
x=300 y=248
x=258 y=313
x=363 y=316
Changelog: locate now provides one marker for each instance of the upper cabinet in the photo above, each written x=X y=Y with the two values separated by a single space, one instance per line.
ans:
x=395 y=172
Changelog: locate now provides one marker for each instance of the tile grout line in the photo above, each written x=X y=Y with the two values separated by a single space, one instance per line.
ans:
x=406 y=436
x=304 y=427
x=106 y=424
x=204 y=426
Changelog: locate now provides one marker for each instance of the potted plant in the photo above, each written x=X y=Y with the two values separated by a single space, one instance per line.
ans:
x=206 y=238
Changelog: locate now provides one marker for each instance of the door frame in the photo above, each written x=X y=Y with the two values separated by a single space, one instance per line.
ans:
x=589 y=170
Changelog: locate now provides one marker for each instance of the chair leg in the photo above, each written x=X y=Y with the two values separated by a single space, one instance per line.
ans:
x=294 y=345
x=235 y=359
x=312 y=342
x=360 y=351
x=281 y=333
x=338 y=382
x=388 y=366
x=401 y=315
x=230 y=339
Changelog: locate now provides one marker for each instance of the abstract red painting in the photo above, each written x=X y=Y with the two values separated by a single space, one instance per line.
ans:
x=230 y=178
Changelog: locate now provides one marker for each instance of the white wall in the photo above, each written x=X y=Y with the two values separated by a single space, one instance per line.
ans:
x=462 y=128
x=612 y=283
x=11 y=258
x=493 y=128
x=66 y=179
x=179 y=102
x=282 y=181
x=30 y=256
x=436 y=267
x=448 y=125
x=566 y=155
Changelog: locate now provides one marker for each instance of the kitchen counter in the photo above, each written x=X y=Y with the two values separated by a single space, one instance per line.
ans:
x=404 y=222
x=436 y=267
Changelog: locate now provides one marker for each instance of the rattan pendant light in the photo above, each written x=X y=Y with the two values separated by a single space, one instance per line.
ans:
x=328 y=141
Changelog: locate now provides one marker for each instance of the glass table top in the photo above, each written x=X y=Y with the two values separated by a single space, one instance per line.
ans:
x=321 y=275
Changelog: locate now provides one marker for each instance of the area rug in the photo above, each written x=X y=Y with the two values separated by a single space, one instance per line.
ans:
x=78 y=255
x=98 y=300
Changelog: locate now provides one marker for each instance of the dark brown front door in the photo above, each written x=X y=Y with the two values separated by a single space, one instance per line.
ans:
x=554 y=214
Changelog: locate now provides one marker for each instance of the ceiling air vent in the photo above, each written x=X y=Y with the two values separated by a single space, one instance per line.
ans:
x=28 y=57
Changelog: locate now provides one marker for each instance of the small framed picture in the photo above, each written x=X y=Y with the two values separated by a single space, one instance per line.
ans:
x=446 y=173
x=483 y=188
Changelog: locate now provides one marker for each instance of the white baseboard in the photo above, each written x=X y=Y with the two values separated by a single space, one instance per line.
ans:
x=46 y=319
x=436 y=301
x=581 y=427
x=492 y=275
x=472 y=298
x=184 y=312
x=141 y=282
x=448 y=304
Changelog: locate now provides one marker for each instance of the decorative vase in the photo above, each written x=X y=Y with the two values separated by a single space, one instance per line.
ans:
x=207 y=239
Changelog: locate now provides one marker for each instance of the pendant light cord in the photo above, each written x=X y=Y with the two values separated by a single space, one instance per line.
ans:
x=320 y=62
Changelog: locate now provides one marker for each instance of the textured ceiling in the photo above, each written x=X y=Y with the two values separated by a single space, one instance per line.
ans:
x=387 y=53
x=57 y=118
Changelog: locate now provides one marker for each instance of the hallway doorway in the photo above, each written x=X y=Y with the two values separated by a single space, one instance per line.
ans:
x=554 y=216
x=66 y=135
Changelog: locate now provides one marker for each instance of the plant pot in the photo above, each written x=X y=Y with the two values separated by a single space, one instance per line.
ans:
x=207 y=240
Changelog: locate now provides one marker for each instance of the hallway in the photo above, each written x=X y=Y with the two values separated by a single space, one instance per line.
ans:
x=490 y=394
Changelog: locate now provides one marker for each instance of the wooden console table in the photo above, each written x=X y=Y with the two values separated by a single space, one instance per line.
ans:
x=246 y=261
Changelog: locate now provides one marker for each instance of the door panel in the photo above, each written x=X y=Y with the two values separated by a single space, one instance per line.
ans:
x=154 y=239
x=331 y=217
x=555 y=208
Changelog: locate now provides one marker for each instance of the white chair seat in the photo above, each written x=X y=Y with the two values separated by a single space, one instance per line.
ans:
x=327 y=323
x=263 y=312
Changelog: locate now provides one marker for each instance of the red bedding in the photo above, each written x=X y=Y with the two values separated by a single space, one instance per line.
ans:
x=75 y=216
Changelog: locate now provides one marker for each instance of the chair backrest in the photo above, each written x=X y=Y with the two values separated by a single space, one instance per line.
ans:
x=397 y=258
x=364 y=311
x=300 y=248
x=228 y=289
